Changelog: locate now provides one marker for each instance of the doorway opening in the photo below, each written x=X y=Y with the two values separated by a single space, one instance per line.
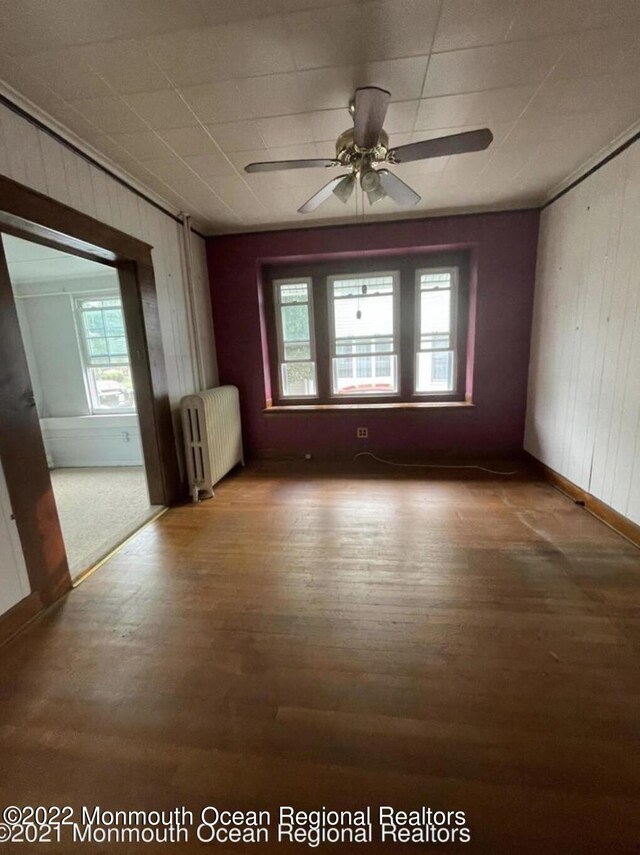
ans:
x=74 y=335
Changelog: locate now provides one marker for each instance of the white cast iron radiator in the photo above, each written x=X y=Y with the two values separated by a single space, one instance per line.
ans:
x=212 y=436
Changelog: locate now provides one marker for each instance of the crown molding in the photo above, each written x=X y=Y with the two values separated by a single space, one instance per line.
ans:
x=600 y=158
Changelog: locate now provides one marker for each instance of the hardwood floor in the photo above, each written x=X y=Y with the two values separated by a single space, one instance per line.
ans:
x=348 y=638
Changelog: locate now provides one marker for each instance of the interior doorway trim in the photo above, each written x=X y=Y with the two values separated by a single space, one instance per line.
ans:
x=30 y=215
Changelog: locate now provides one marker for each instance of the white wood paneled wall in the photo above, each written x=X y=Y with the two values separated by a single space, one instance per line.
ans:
x=583 y=414
x=36 y=159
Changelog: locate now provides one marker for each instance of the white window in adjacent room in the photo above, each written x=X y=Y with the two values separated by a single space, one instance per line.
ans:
x=364 y=334
x=436 y=302
x=296 y=346
x=105 y=354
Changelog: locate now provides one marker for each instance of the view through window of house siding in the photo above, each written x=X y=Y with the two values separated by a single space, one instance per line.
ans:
x=435 y=357
x=105 y=354
x=364 y=359
x=297 y=360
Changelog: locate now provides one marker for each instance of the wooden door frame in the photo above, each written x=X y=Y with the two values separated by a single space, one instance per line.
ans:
x=30 y=215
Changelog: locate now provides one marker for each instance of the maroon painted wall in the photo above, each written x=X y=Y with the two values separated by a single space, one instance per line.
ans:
x=503 y=247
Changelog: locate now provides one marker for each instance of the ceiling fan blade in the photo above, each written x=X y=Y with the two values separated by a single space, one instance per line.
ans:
x=369 y=111
x=397 y=190
x=443 y=146
x=344 y=188
x=273 y=165
x=321 y=196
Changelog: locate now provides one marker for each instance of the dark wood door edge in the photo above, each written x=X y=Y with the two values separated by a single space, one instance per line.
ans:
x=142 y=321
x=24 y=459
x=605 y=513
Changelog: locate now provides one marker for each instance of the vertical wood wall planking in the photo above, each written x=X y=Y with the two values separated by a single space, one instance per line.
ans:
x=34 y=158
x=583 y=414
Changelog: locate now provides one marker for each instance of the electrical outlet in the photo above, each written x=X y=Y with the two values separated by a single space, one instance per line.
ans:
x=362 y=433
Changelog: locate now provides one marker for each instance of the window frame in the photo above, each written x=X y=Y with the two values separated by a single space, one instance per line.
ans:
x=276 y=284
x=85 y=356
x=454 y=329
x=406 y=264
x=331 y=278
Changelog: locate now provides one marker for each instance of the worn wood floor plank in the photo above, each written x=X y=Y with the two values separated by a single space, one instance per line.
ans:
x=345 y=638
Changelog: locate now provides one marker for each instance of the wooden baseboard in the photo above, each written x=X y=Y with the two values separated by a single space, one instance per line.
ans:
x=19 y=616
x=615 y=520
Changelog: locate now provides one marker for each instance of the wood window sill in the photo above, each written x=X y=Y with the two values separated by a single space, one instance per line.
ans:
x=399 y=405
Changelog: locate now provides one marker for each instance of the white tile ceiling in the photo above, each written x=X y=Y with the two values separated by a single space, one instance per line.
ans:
x=183 y=93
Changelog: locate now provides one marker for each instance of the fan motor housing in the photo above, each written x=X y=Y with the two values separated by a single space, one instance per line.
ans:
x=347 y=152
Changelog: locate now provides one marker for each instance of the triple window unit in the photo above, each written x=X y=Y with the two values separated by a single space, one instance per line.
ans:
x=387 y=332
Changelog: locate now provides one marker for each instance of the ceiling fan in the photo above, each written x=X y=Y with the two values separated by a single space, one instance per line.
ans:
x=363 y=147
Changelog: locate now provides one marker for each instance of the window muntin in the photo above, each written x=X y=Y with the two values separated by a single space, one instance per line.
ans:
x=105 y=354
x=296 y=345
x=436 y=323
x=363 y=324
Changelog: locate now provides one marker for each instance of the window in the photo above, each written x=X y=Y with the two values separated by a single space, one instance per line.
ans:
x=365 y=332
x=105 y=354
x=295 y=342
x=435 y=313
x=362 y=325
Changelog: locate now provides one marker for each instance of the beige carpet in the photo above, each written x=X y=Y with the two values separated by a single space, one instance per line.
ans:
x=98 y=509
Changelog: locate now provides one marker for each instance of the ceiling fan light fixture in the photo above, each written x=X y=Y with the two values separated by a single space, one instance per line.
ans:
x=344 y=188
x=371 y=184
x=369 y=180
x=375 y=195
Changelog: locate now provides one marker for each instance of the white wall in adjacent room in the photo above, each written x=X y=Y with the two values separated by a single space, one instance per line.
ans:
x=47 y=322
x=72 y=435
x=583 y=416
x=99 y=440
